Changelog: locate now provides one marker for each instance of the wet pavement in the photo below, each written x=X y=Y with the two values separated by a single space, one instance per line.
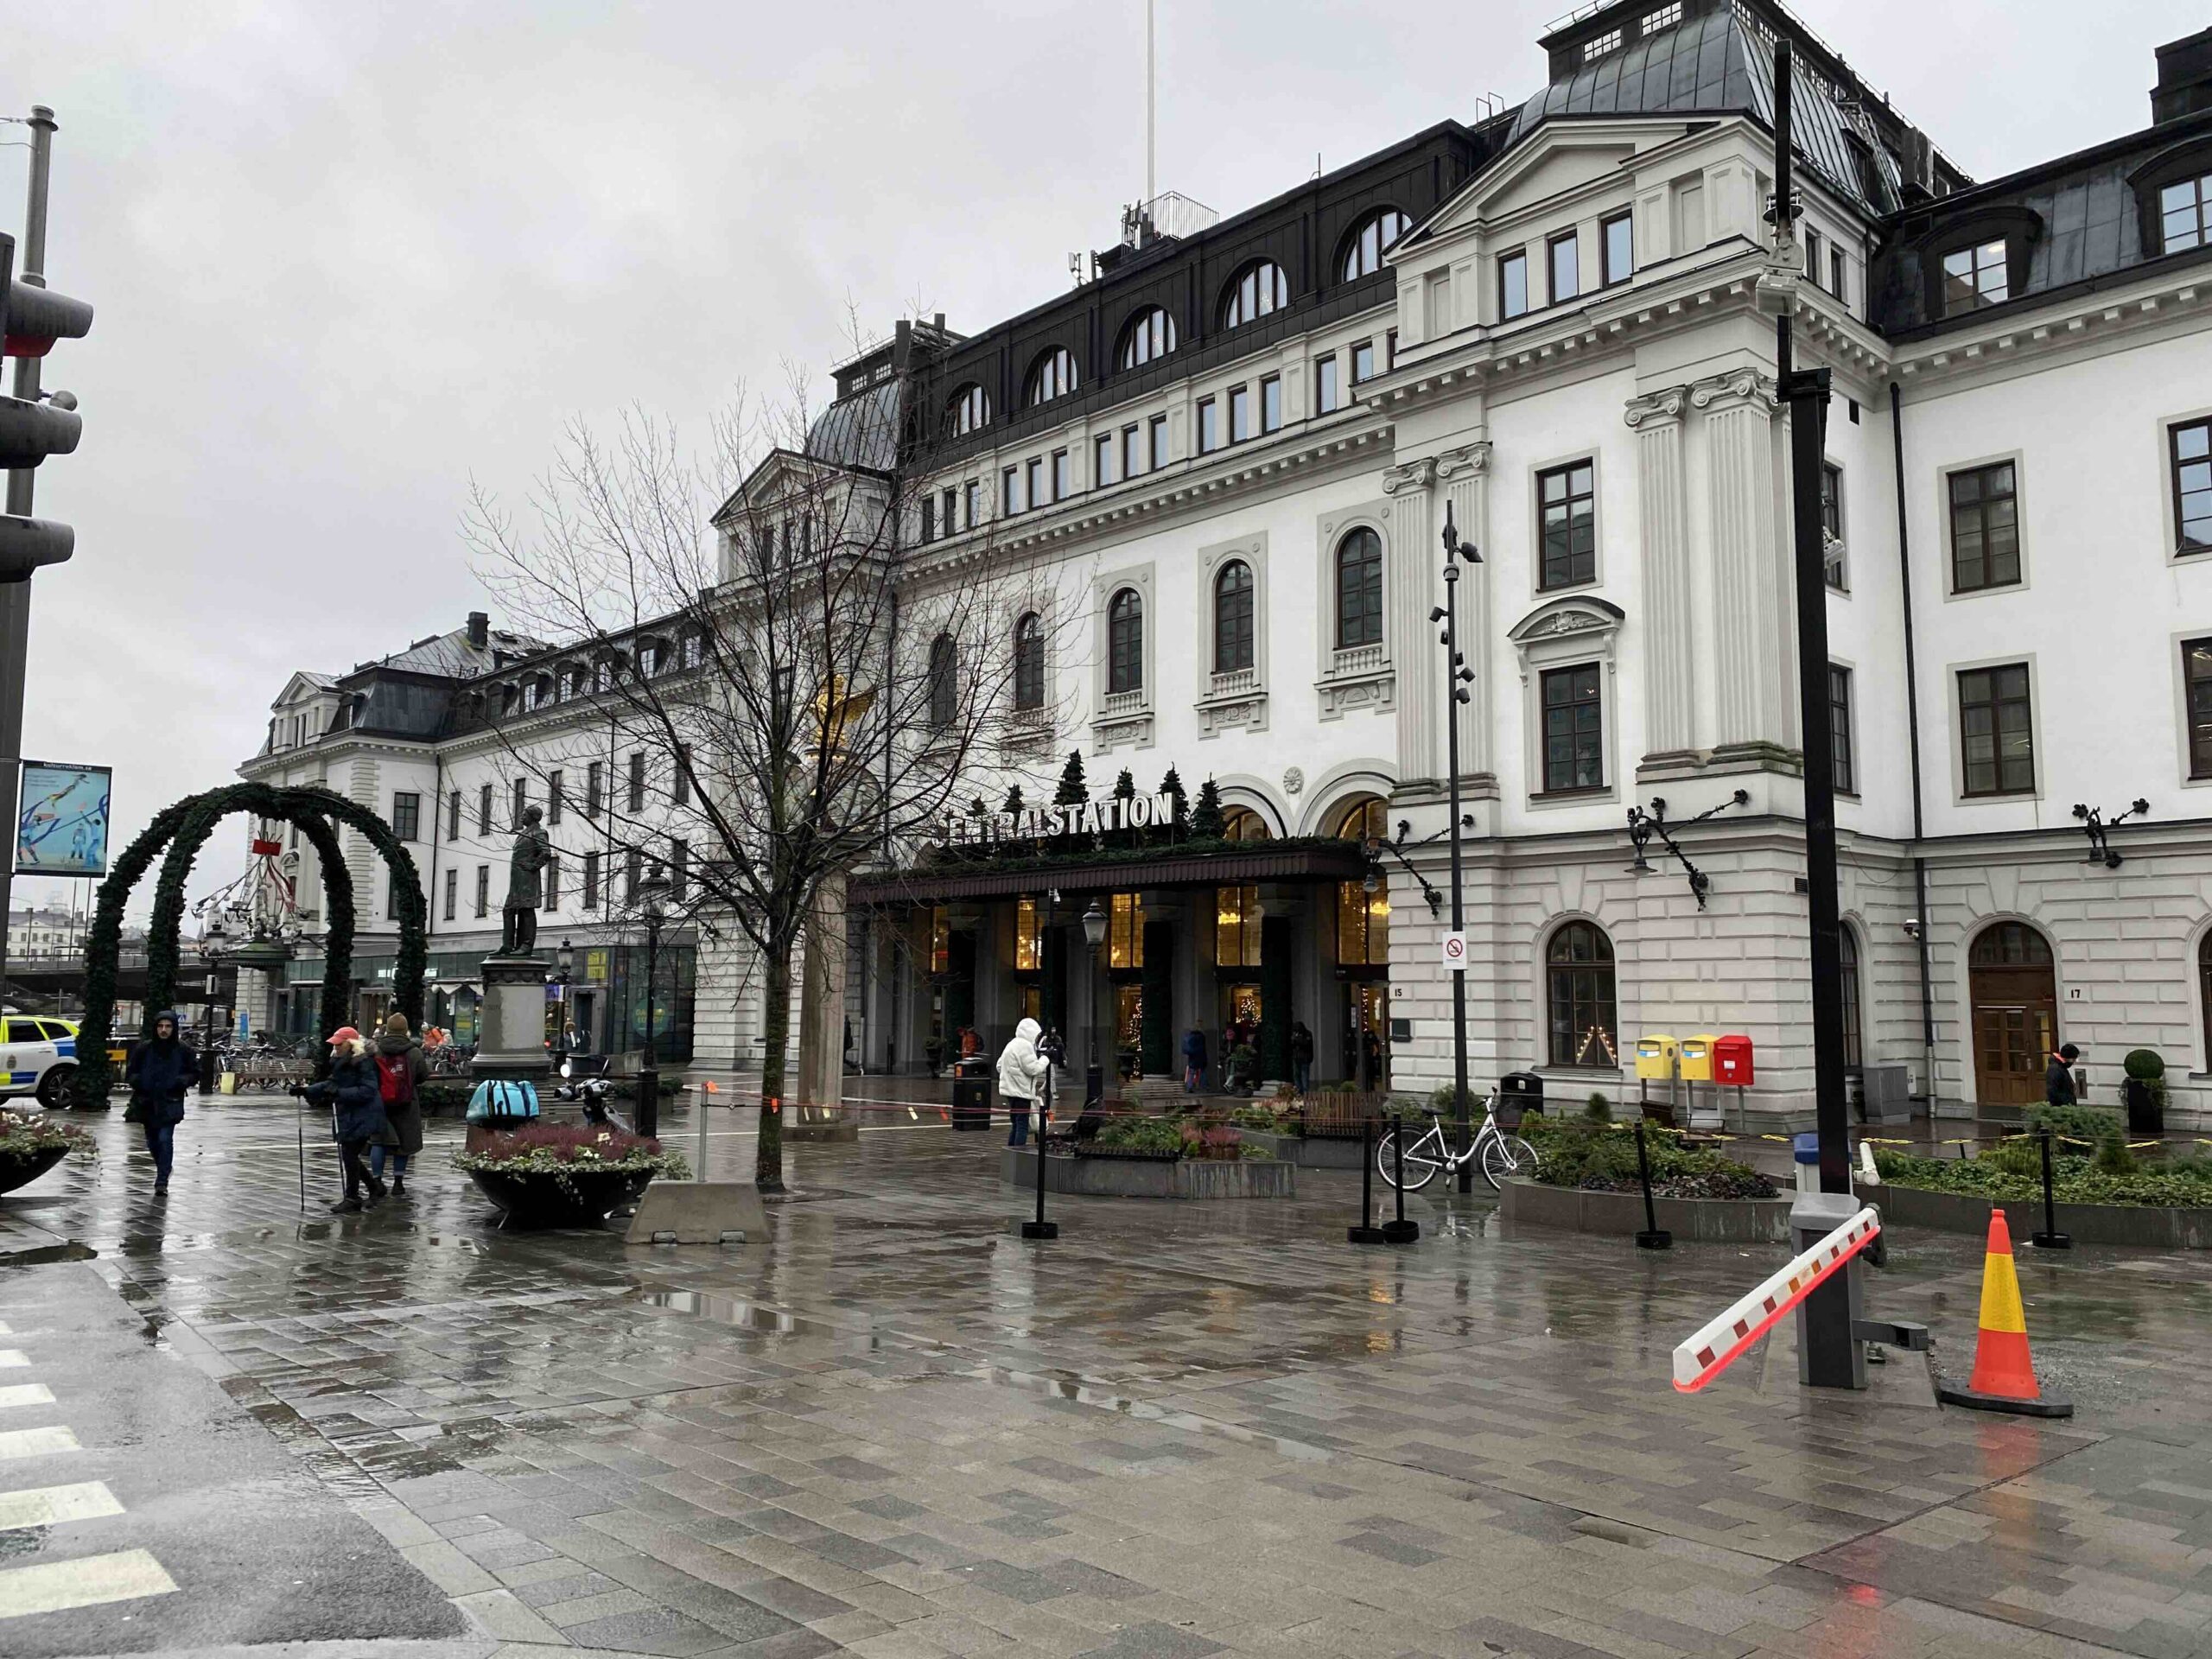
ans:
x=894 y=1428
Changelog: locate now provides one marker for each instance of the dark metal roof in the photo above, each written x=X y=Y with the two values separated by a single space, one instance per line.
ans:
x=1721 y=62
x=861 y=430
x=1252 y=862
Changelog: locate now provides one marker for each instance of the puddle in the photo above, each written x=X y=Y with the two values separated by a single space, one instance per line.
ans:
x=742 y=1315
x=1087 y=1393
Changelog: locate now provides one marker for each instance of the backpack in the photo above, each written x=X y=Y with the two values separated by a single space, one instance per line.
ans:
x=395 y=1079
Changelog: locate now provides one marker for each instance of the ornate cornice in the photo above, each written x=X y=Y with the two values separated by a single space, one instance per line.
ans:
x=1656 y=409
x=1736 y=389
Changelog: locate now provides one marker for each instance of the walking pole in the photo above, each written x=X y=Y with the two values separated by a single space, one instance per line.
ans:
x=1041 y=1228
x=2050 y=1238
x=1367 y=1232
x=1653 y=1237
x=1399 y=1231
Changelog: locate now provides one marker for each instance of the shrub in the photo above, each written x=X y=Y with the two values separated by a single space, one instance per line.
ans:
x=2083 y=1125
x=1163 y=1134
x=24 y=1134
x=1254 y=1118
x=1597 y=1157
x=564 y=1149
x=2145 y=1064
x=2113 y=1156
x=1600 y=1110
x=2181 y=1183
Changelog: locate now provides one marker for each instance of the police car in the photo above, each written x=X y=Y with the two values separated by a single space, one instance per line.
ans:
x=38 y=1055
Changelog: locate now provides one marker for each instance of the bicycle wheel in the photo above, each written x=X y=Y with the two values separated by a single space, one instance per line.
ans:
x=1507 y=1155
x=1423 y=1159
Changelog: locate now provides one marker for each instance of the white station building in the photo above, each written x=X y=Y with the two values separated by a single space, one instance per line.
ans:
x=1233 y=452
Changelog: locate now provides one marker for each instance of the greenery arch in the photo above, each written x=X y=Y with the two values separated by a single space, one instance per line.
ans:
x=183 y=828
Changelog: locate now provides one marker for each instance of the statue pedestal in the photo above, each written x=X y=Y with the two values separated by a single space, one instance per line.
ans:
x=512 y=1044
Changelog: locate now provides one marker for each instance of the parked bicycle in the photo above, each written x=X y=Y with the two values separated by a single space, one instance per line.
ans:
x=1493 y=1151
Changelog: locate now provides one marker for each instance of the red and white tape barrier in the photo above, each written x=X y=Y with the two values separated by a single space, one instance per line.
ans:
x=1715 y=1347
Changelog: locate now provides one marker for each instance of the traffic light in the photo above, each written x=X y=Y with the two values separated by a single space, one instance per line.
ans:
x=31 y=428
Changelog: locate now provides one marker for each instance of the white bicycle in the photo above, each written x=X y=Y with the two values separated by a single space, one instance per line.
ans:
x=1494 y=1152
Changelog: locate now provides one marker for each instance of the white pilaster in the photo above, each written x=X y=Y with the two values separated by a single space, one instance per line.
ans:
x=1747 y=570
x=1464 y=473
x=1411 y=580
x=1670 y=634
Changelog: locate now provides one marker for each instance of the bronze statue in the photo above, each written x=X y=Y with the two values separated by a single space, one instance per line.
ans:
x=518 y=915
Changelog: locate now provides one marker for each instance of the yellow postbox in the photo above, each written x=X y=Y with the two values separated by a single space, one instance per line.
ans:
x=1655 y=1056
x=1697 y=1058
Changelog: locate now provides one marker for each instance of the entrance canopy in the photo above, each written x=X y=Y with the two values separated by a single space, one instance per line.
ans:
x=1315 y=859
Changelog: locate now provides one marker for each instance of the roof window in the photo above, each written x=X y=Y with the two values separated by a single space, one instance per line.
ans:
x=1594 y=49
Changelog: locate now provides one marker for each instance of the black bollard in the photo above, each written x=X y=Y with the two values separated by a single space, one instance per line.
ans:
x=1367 y=1232
x=1041 y=1228
x=1399 y=1231
x=2050 y=1238
x=1654 y=1237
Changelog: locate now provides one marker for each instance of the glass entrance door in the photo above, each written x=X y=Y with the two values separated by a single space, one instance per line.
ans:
x=1367 y=1033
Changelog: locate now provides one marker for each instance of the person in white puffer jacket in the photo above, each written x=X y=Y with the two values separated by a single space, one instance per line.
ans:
x=1022 y=1072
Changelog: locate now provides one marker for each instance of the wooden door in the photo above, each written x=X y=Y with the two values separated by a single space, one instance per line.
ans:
x=2014 y=988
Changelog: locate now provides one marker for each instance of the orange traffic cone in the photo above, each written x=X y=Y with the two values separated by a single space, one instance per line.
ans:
x=2003 y=1376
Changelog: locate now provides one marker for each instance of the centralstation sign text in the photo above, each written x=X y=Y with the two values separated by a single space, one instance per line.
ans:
x=1047 y=822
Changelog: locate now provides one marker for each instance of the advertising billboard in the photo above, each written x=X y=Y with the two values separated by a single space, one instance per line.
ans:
x=63 y=819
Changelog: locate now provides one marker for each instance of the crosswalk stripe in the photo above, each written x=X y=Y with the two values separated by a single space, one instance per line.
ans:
x=26 y=1393
x=86 y=1582
x=36 y=1442
x=50 y=1506
x=12 y=1359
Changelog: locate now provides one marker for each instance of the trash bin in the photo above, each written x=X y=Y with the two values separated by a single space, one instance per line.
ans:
x=1518 y=1094
x=1806 y=1150
x=971 y=1093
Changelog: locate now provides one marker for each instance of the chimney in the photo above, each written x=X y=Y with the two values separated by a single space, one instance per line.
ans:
x=479 y=629
x=2184 y=77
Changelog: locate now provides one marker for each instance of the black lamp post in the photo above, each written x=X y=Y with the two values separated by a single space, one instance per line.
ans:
x=564 y=960
x=1456 y=677
x=1094 y=935
x=651 y=890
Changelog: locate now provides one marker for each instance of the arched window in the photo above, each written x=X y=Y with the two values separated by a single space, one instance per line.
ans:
x=2205 y=989
x=1243 y=823
x=944 y=681
x=1125 y=643
x=1370 y=240
x=1364 y=906
x=1853 y=1048
x=1253 y=292
x=2011 y=944
x=1578 y=997
x=968 y=410
x=1053 y=375
x=1232 y=617
x=1029 y=662
x=1359 y=589
x=1149 y=334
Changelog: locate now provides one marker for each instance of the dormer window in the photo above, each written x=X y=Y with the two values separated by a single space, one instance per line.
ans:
x=1259 y=289
x=1148 y=336
x=1370 y=240
x=1053 y=375
x=2181 y=213
x=968 y=410
x=1594 y=49
x=1975 y=277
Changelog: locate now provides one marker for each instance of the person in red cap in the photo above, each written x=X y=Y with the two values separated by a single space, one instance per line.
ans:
x=356 y=1113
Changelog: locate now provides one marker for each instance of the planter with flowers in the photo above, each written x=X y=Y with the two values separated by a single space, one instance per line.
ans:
x=566 y=1175
x=31 y=1144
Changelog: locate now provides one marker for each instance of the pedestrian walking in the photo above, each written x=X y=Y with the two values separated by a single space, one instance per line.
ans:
x=1021 y=1077
x=356 y=1113
x=1301 y=1056
x=401 y=1068
x=2058 y=1077
x=161 y=1073
x=1194 y=1061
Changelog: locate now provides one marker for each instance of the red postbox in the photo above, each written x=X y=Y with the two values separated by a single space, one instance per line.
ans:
x=1731 y=1060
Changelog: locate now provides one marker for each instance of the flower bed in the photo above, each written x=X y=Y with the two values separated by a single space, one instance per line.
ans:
x=2012 y=1173
x=31 y=1144
x=1593 y=1156
x=566 y=1175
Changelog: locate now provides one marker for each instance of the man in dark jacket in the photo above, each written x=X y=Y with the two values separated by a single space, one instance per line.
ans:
x=400 y=1071
x=1194 y=1061
x=356 y=1113
x=161 y=1073
x=2058 y=1077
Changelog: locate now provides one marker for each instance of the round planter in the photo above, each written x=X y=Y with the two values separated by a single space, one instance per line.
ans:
x=580 y=1198
x=22 y=1169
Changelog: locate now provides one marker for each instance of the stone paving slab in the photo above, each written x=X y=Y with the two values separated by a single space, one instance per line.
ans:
x=894 y=1428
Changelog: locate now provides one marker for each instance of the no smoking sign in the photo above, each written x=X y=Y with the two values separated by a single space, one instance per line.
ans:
x=1455 y=952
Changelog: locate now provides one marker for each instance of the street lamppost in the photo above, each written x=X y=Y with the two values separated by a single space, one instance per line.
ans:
x=1456 y=678
x=1094 y=935
x=564 y=960
x=651 y=890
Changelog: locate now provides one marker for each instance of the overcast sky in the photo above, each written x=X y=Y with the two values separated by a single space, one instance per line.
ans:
x=346 y=257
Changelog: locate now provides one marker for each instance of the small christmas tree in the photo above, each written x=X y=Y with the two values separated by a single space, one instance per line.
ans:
x=1013 y=801
x=1179 y=820
x=1125 y=789
x=1074 y=790
x=1205 y=820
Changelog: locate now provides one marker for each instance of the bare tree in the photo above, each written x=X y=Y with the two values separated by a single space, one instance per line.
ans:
x=798 y=684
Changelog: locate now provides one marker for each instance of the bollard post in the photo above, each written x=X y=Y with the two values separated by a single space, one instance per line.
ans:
x=1041 y=1228
x=700 y=1174
x=1654 y=1237
x=2050 y=1238
x=1367 y=1232
x=1399 y=1231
